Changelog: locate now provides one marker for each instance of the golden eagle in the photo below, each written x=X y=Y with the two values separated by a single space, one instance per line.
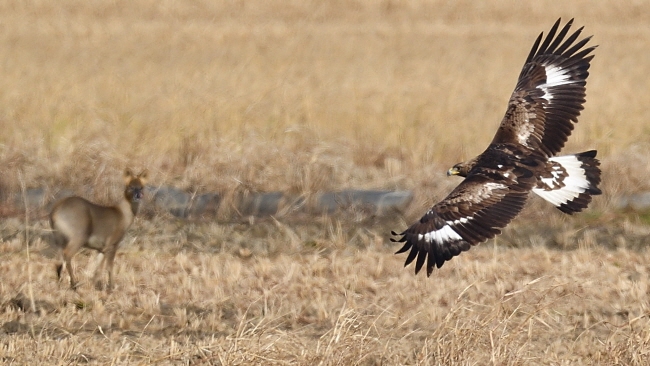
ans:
x=521 y=158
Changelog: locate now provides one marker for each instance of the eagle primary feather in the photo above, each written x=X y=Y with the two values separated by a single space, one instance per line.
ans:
x=549 y=94
x=539 y=118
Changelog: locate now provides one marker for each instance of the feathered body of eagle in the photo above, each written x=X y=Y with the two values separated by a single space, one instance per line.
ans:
x=521 y=158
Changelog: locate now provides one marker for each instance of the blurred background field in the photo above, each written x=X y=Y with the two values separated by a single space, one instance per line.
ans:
x=305 y=97
x=295 y=95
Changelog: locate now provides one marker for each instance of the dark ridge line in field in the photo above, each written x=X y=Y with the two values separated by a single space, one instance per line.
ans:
x=186 y=205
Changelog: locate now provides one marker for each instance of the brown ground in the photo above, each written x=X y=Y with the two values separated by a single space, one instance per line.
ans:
x=305 y=97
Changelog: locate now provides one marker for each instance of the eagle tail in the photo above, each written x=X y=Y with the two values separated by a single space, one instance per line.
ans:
x=574 y=180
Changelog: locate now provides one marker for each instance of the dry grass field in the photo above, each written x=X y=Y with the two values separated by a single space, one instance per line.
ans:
x=305 y=97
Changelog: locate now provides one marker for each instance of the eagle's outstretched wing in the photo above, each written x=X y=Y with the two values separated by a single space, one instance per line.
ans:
x=475 y=211
x=546 y=103
x=550 y=92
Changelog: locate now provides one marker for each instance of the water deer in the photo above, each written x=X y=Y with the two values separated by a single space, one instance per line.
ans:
x=77 y=222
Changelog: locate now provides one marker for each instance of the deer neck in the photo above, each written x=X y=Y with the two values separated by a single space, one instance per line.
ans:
x=128 y=209
x=135 y=207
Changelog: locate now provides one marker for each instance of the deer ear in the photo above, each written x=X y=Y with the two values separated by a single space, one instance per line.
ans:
x=128 y=175
x=143 y=176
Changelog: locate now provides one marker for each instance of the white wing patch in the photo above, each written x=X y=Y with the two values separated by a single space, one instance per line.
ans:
x=492 y=185
x=447 y=232
x=524 y=133
x=555 y=76
x=555 y=181
x=575 y=182
x=462 y=220
x=441 y=236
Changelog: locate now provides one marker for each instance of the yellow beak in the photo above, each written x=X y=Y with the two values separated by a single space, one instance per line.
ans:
x=452 y=171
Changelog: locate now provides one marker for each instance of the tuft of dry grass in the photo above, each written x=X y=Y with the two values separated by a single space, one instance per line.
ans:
x=189 y=294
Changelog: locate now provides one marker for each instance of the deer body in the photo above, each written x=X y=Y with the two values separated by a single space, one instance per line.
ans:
x=77 y=223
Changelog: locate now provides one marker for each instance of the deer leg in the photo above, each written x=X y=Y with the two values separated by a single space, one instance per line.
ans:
x=59 y=268
x=68 y=252
x=73 y=280
x=60 y=243
x=100 y=263
x=110 y=258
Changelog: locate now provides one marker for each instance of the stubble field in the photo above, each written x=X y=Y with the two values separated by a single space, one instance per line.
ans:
x=306 y=97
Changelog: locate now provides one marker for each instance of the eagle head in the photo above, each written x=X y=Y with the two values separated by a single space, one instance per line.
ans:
x=461 y=169
x=455 y=170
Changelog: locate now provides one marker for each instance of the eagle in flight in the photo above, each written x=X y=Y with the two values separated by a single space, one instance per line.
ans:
x=521 y=158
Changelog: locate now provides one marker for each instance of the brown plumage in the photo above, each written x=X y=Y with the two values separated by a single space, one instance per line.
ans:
x=540 y=116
